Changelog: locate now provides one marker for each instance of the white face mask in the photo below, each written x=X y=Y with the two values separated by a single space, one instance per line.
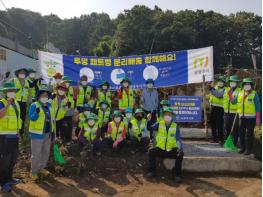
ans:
x=104 y=87
x=247 y=87
x=61 y=92
x=220 y=84
x=125 y=84
x=233 y=84
x=84 y=83
x=103 y=106
x=58 y=80
x=44 y=100
x=86 y=113
x=117 y=119
x=91 y=122
x=10 y=94
x=32 y=75
x=149 y=85
x=167 y=118
x=128 y=115
x=21 y=76
x=67 y=85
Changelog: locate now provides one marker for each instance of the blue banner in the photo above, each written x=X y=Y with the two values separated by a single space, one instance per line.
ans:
x=186 y=108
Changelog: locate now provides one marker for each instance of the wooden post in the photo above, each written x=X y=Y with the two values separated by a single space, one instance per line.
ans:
x=204 y=107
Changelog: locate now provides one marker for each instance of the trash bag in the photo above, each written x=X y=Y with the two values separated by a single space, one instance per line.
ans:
x=229 y=144
x=59 y=159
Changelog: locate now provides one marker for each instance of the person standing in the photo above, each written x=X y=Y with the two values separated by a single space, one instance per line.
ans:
x=85 y=92
x=33 y=82
x=104 y=93
x=125 y=95
x=10 y=123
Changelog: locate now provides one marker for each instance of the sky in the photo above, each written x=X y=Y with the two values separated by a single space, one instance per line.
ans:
x=71 y=8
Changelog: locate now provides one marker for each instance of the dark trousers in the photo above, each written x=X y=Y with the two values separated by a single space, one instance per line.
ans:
x=110 y=142
x=173 y=154
x=246 y=133
x=152 y=121
x=23 y=108
x=217 y=123
x=229 y=119
x=66 y=134
x=8 y=157
x=143 y=143
x=59 y=128
x=104 y=130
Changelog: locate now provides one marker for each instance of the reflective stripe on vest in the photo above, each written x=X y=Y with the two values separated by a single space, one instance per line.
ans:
x=59 y=111
x=136 y=129
x=228 y=106
x=166 y=140
x=126 y=100
x=216 y=101
x=90 y=133
x=102 y=96
x=10 y=123
x=116 y=132
x=23 y=91
x=37 y=126
x=246 y=107
x=82 y=95
x=103 y=117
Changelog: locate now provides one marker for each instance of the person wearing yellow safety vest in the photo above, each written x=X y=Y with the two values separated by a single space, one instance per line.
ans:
x=139 y=134
x=116 y=131
x=10 y=123
x=126 y=97
x=84 y=112
x=104 y=93
x=167 y=144
x=90 y=134
x=60 y=106
x=248 y=109
x=230 y=109
x=57 y=80
x=41 y=128
x=84 y=93
x=33 y=82
x=127 y=118
x=104 y=114
x=217 y=111
x=22 y=95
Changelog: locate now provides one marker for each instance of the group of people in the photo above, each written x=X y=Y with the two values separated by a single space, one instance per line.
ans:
x=96 y=114
x=235 y=110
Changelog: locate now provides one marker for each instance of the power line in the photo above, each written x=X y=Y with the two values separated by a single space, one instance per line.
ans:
x=4 y=5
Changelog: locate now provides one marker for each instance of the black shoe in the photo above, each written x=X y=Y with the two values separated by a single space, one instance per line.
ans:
x=247 y=153
x=241 y=151
x=178 y=179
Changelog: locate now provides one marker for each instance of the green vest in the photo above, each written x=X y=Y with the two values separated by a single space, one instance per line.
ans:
x=90 y=133
x=166 y=140
x=23 y=91
x=82 y=95
x=215 y=101
x=228 y=106
x=246 y=106
x=104 y=96
x=82 y=119
x=116 y=132
x=33 y=89
x=103 y=117
x=70 y=94
x=59 y=111
x=126 y=100
x=37 y=126
x=138 y=129
x=10 y=123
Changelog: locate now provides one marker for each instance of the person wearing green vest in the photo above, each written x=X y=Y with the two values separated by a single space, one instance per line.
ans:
x=217 y=111
x=10 y=123
x=41 y=129
x=84 y=112
x=167 y=144
x=230 y=109
x=90 y=134
x=57 y=80
x=32 y=83
x=248 y=109
x=116 y=131
x=84 y=93
x=70 y=92
x=127 y=118
x=60 y=106
x=104 y=114
x=163 y=104
x=104 y=93
x=22 y=94
x=126 y=97
x=139 y=135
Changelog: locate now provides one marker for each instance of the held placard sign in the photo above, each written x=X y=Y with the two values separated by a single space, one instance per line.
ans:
x=186 y=108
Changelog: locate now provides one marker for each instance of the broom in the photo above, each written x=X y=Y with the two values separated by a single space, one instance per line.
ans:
x=229 y=144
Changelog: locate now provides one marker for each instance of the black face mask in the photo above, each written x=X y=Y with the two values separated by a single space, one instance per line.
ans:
x=138 y=117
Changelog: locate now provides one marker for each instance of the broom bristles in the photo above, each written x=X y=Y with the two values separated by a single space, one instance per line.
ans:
x=229 y=144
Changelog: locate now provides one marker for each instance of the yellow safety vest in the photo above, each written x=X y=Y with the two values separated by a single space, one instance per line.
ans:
x=228 y=106
x=23 y=91
x=33 y=89
x=70 y=96
x=246 y=107
x=37 y=126
x=90 y=133
x=10 y=123
x=138 y=129
x=104 y=96
x=103 y=117
x=82 y=119
x=116 y=132
x=166 y=140
x=215 y=101
x=126 y=100
x=82 y=95
x=59 y=111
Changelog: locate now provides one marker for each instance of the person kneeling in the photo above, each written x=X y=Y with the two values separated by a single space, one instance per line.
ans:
x=167 y=144
x=90 y=134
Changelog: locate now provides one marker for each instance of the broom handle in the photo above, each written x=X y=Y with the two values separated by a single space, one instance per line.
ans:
x=233 y=125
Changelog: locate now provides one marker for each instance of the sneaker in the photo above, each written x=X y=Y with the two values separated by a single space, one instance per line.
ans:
x=68 y=144
x=34 y=176
x=178 y=179
x=15 y=181
x=6 y=188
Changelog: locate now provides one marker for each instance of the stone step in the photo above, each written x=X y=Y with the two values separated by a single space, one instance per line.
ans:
x=194 y=133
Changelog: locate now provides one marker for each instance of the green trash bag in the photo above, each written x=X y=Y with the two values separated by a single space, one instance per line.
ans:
x=59 y=159
x=229 y=144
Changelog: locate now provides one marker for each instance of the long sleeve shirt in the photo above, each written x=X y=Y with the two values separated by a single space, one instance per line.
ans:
x=149 y=99
x=218 y=93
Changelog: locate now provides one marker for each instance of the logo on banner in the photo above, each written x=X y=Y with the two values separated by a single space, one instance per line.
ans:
x=87 y=72
x=117 y=75
x=51 y=66
x=201 y=62
x=150 y=72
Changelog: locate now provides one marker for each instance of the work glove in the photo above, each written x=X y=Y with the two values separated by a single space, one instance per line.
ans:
x=37 y=110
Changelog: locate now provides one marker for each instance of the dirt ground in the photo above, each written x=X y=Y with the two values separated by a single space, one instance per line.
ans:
x=123 y=174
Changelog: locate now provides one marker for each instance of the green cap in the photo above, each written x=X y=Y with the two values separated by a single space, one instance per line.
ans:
x=125 y=79
x=234 y=78
x=92 y=116
x=139 y=111
x=117 y=113
x=104 y=82
x=42 y=90
x=21 y=69
x=168 y=109
x=104 y=102
x=30 y=70
x=9 y=86
x=67 y=79
x=221 y=78
x=164 y=102
x=247 y=80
